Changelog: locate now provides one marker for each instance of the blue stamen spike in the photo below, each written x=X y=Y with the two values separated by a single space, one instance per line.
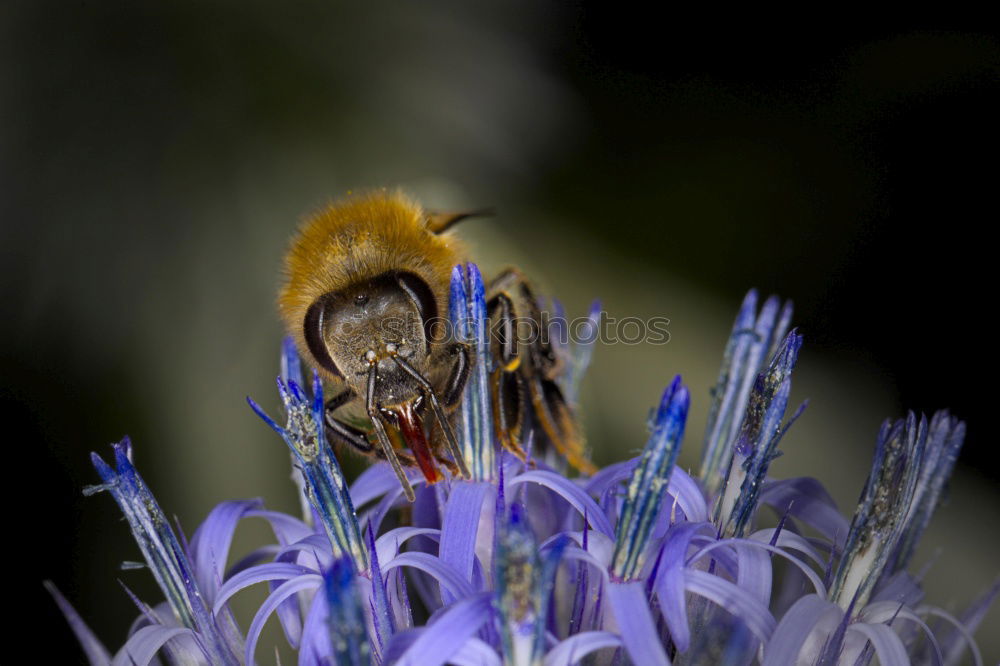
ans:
x=346 y=619
x=524 y=582
x=324 y=482
x=162 y=551
x=757 y=441
x=648 y=483
x=467 y=315
x=945 y=436
x=754 y=338
x=880 y=518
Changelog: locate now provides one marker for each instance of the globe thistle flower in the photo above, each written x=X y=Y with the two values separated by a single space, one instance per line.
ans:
x=519 y=564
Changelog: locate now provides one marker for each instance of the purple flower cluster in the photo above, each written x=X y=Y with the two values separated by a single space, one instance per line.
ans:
x=640 y=563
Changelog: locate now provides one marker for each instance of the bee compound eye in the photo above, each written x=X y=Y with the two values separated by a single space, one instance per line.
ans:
x=360 y=299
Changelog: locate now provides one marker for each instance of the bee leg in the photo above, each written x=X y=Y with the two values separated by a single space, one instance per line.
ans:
x=547 y=402
x=506 y=386
x=459 y=375
x=442 y=418
x=557 y=422
x=383 y=438
x=513 y=286
x=341 y=432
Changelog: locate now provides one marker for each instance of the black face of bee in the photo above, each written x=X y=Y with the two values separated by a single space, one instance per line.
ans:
x=368 y=322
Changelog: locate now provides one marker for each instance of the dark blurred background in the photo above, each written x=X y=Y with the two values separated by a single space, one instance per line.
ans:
x=154 y=161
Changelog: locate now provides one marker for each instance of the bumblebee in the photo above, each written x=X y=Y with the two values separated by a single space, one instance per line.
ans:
x=367 y=280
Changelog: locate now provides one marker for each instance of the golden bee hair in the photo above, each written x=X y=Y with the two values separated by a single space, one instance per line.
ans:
x=361 y=237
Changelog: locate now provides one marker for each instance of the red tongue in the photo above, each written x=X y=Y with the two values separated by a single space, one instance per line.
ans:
x=412 y=429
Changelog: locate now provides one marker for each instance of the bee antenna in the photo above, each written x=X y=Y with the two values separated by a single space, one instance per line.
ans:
x=440 y=222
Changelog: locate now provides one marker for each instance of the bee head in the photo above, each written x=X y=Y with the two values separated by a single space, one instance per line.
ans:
x=393 y=311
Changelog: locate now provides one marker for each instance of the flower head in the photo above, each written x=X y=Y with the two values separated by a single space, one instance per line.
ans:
x=639 y=562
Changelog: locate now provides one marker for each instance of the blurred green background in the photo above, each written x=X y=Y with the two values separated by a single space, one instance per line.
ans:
x=155 y=159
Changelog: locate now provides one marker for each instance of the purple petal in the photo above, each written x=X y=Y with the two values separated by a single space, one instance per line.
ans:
x=806 y=499
x=573 y=494
x=475 y=652
x=689 y=496
x=461 y=524
x=754 y=572
x=805 y=568
x=635 y=623
x=610 y=475
x=886 y=612
x=286 y=528
x=315 y=637
x=888 y=646
x=734 y=599
x=953 y=647
x=795 y=627
x=96 y=653
x=437 y=643
x=375 y=482
x=258 y=574
x=274 y=600
x=972 y=616
x=315 y=548
x=142 y=646
x=900 y=588
x=670 y=582
x=580 y=555
x=575 y=648
x=387 y=545
x=381 y=613
x=210 y=544
x=787 y=539
x=452 y=582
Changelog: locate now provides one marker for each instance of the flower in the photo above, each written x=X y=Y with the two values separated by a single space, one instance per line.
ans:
x=520 y=564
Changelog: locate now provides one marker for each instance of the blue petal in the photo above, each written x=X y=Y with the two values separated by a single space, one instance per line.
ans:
x=806 y=499
x=793 y=630
x=304 y=582
x=734 y=599
x=475 y=652
x=573 y=494
x=725 y=543
x=210 y=544
x=259 y=574
x=452 y=582
x=142 y=646
x=375 y=482
x=381 y=614
x=389 y=543
x=635 y=623
x=96 y=653
x=575 y=648
x=450 y=630
x=670 y=582
x=315 y=648
x=461 y=525
x=888 y=646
